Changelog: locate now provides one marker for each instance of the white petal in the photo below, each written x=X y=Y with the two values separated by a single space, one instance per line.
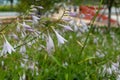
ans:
x=84 y=25
x=61 y=40
x=66 y=27
x=7 y=48
x=75 y=28
x=23 y=49
x=35 y=17
x=50 y=44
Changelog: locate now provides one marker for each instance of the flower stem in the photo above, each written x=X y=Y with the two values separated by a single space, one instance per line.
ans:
x=91 y=27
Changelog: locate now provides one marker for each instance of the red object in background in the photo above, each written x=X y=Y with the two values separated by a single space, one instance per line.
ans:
x=94 y=7
x=89 y=13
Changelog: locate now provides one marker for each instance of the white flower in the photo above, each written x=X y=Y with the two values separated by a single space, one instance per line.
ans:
x=14 y=36
x=50 y=44
x=118 y=77
x=109 y=70
x=76 y=28
x=66 y=27
x=61 y=40
x=84 y=26
x=115 y=66
x=66 y=19
x=73 y=14
x=40 y=7
x=7 y=48
x=35 y=19
x=72 y=22
x=23 y=49
x=27 y=27
x=33 y=9
x=23 y=77
x=23 y=34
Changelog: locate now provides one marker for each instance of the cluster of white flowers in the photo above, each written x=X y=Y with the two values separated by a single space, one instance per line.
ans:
x=27 y=29
x=110 y=69
x=7 y=47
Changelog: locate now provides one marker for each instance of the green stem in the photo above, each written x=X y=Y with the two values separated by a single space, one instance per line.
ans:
x=91 y=26
x=30 y=40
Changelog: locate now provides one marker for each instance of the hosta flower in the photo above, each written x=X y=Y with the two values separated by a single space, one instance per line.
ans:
x=7 y=48
x=23 y=77
x=75 y=27
x=109 y=70
x=66 y=27
x=33 y=9
x=118 y=77
x=23 y=49
x=50 y=44
x=73 y=14
x=74 y=24
x=23 y=34
x=84 y=26
x=14 y=36
x=115 y=66
x=35 y=19
x=27 y=27
x=66 y=19
x=40 y=7
x=61 y=40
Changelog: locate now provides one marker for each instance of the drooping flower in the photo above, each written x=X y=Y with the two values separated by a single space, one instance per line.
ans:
x=66 y=19
x=61 y=40
x=66 y=27
x=40 y=7
x=50 y=44
x=7 y=48
x=84 y=26
x=75 y=28
x=22 y=49
x=35 y=19
x=74 y=24
x=118 y=77
x=23 y=77
x=23 y=34
x=27 y=27
x=14 y=36
x=73 y=14
x=33 y=9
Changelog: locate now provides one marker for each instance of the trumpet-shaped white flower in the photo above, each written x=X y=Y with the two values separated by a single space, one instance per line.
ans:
x=14 y=36
x=66 y=19
x=23 y=49
x=66 y=27
x=35 y=19
x=27 y=27
x=50 y=44
x=7 y=48
x=76 y=28
x=84 y=26
x=33 y=9
x=61 y=40
x=40 y=7
x=73 y=14
x=23 y=77
x=118 y=77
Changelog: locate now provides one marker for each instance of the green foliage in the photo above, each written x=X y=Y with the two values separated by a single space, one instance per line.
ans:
x=47 y=4
x=8 y=8
x=67 y=62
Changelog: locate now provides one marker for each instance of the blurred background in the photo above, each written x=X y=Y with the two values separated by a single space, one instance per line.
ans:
x=10 y=8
